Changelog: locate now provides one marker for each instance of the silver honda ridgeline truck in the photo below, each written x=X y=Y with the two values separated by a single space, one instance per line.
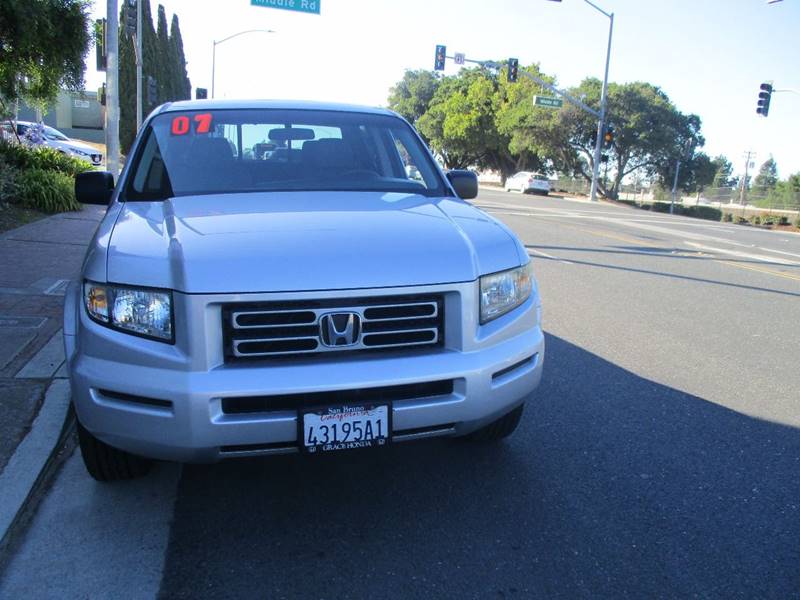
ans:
x=276 y=277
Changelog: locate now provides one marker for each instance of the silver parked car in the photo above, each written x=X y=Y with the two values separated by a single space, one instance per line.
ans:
x=527 y=182
x=314 y=300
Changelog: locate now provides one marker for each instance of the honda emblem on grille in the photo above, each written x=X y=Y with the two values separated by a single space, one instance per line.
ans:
x=340 y=329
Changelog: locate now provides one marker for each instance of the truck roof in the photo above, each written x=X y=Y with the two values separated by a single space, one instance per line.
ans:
x=273 y=104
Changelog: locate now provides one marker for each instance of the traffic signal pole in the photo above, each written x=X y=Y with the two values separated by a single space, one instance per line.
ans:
x=112 y=88
x=601 y=123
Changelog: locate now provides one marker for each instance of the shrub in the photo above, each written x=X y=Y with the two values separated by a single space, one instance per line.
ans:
x=783 y=220
x=8 y=181
x=47 y=159
x=797 y=223
x=47 y=191
x=755 y=220
x=727 y=217
x=704 y=212
x=663 y=207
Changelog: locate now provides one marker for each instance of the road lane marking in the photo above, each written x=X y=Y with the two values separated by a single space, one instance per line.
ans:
x=747 y=255
x=732 y=263
x=550 y=256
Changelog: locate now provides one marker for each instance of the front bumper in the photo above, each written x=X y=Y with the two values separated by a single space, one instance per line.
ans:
x=165 y=402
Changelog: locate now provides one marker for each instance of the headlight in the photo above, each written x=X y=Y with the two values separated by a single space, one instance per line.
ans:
x=505 y=291
x=147 y=313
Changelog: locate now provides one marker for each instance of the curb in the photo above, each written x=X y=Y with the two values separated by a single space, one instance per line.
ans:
x=34 y=464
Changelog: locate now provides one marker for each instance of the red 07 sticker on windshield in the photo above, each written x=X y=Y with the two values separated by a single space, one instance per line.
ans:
x=182 y=125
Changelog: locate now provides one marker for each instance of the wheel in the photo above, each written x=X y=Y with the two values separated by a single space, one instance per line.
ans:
x=502 y=428
x=106 y=463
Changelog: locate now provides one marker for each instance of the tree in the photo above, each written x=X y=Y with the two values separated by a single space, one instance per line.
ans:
x=165 y=71
x=786 y=194
x=697 y=173
x=723 y=172
x=42 y=47
x=183 y=87
x=650 y=134
x=767 y=176
x=412 y=95
x=163 y=59
x=459 y=122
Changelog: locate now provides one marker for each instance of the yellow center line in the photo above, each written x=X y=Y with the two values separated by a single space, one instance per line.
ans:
x=732 y=263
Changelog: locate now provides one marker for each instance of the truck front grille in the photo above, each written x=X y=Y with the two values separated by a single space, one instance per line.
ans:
x=297 y=328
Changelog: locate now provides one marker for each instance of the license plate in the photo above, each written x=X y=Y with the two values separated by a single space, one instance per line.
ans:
x=345 y=427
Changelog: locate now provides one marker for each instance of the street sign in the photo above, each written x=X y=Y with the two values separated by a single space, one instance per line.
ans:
x=458 y=58
x=548 y=102
x=304 y=6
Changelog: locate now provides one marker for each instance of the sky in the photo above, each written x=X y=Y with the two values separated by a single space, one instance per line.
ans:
x=709 y=56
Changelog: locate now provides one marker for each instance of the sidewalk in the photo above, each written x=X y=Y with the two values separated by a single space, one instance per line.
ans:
x=39 y=259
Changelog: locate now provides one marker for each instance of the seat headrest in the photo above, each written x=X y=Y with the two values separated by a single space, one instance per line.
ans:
x=328 y=153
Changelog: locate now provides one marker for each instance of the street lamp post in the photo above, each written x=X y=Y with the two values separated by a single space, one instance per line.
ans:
x=214 y=52
x=603 y=104
x=601 y=123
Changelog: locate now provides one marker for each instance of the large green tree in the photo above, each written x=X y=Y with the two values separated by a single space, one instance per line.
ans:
x=412 y=95
x=42 y=48
x=461 y=124
x=478 y=119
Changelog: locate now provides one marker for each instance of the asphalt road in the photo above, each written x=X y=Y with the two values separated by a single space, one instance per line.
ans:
x=660 y=457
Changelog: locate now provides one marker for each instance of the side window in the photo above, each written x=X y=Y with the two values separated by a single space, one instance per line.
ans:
x=409 y=166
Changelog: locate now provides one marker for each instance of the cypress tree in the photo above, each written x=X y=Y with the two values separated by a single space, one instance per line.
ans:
x=163 y=59
x=183 y=87
x=164 y=66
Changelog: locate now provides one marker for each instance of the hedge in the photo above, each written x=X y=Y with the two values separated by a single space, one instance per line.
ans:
x=47 y=191
x=48 y=159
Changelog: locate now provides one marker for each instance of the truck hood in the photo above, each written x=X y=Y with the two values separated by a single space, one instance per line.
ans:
x=298 y=241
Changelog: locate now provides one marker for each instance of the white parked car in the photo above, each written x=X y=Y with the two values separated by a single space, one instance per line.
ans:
x=527 y=182
x=53 y=138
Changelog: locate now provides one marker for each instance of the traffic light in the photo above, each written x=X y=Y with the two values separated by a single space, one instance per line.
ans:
x=201 y=94
x=101 y=95
x=100 y=43
x=130 y=17
x=608 y=137
x=764 y=97
x=513 y=69
x=152 y=90
x=441 y=52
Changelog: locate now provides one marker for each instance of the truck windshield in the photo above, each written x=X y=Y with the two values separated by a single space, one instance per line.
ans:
x=235 y=151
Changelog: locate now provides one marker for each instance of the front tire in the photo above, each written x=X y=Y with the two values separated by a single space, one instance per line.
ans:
x=106 y=463
x=499 y=429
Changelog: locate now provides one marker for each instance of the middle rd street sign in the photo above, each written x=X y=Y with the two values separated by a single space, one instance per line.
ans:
x=548 y=101
x=304 y=6
x=459 y=58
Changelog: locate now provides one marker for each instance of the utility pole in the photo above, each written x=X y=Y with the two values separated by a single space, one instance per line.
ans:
x=138 y=65
x=749 y=155
x=112 y=88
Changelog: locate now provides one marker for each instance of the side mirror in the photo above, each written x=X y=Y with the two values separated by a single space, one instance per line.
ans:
x=465 y=183
x=94 y=187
